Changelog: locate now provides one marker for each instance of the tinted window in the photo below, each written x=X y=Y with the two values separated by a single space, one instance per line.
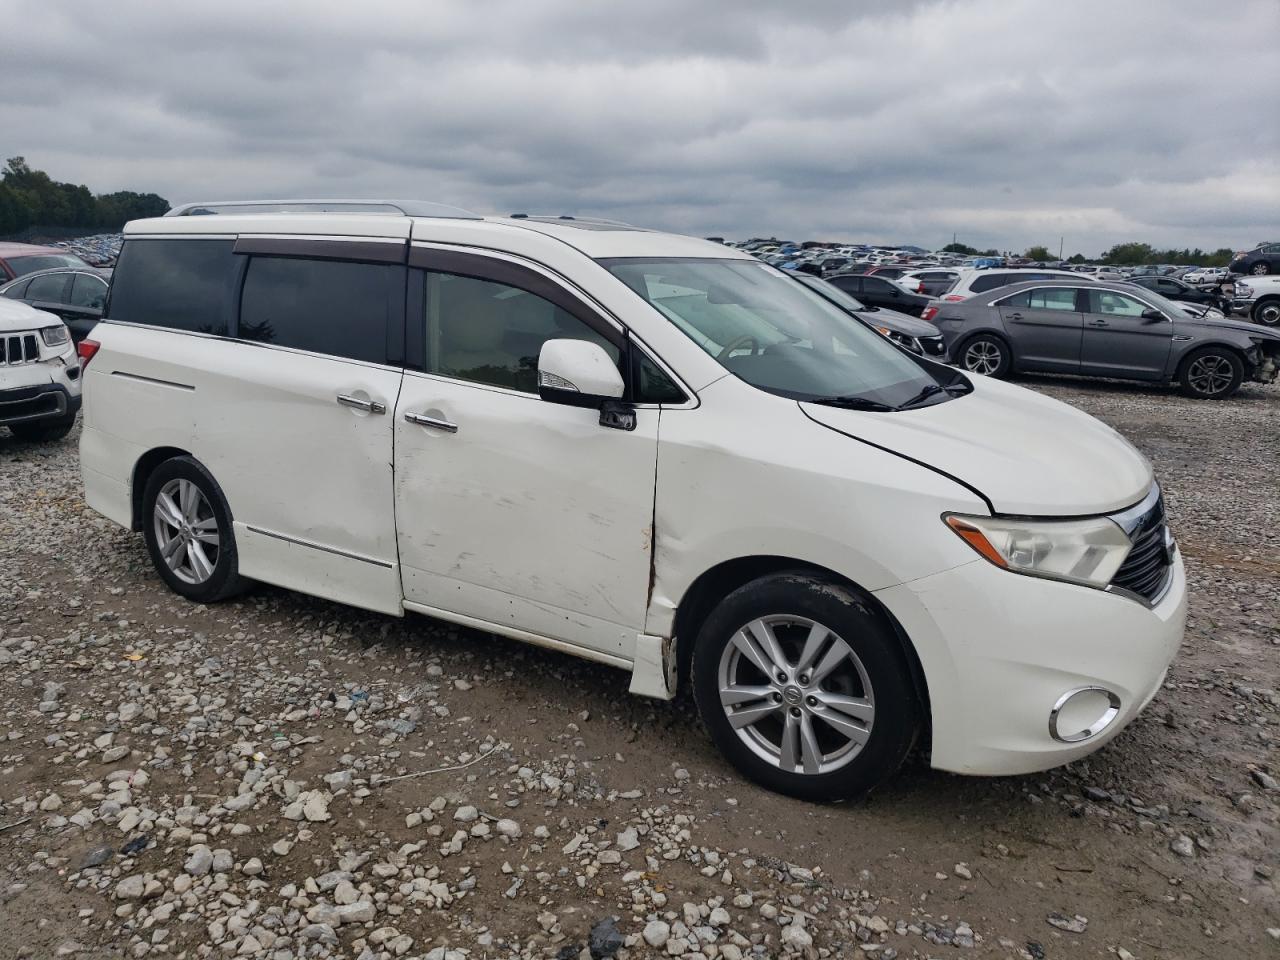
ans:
x=492 y=333
x=1115 y=304
x=51 y=287
x=43 y=261
x=18 y=290
x=1053 y=298
x=848 y=284
x=88 y=291
x=334 y=307
x=876 y=285
x=177 y=284
x=1018 y=300
x=989 y=281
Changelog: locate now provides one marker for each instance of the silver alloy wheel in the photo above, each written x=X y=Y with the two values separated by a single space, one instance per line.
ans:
x=796 y=694
x=186 y=531
x=1260 y=270
x=982 y=357
x=1269 y=313
x=1210 y=374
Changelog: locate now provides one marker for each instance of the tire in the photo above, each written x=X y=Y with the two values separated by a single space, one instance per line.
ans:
x=201 y=569
x=1213 y=373
x=866 y=675
x=43 y=431
x=986 y=355
x=1260 y=269
x=1267 y=312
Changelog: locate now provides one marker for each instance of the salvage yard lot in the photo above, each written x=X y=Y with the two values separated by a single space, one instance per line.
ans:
x=131 y=721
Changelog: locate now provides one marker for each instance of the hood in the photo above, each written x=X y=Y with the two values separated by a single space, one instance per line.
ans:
x=15 y=315
x=1219 y=323
x=1026 y=453
x=901 y=322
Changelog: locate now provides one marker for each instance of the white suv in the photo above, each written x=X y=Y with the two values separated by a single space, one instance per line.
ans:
x=39 y=373
x=971 y=282
x=648 y=450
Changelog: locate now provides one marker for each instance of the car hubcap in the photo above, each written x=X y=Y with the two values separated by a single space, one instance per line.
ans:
x=1210 y=374
x=982 y=357
x=796 y=694
x=1270 y=314
x=186 y=531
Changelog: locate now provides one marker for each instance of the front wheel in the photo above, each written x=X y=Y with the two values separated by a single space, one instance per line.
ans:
x=1260 y=269
x=1267 y=312
x=1213 y=373
x=804 y=688
x=187 y=526
x=986 y=355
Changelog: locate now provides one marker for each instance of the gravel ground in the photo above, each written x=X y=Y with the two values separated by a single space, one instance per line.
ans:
x=283 y=777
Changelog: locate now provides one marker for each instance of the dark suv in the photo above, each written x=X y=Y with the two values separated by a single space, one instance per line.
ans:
x=1261 y=260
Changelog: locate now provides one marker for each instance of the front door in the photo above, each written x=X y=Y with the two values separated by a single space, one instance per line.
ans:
x=1046 y=327
x=1120 y=342
x=512 y=511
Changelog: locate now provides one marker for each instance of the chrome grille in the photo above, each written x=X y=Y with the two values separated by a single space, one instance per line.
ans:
x=1145 y=571
x=18 y=348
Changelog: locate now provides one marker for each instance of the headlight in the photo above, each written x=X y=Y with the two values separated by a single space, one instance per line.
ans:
x=1087 y=552
x=54 y=336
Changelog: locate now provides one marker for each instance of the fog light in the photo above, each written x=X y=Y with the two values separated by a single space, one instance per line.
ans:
x=1082 y=714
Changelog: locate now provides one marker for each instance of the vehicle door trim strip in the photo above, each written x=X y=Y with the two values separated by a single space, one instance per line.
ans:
x=316 y=546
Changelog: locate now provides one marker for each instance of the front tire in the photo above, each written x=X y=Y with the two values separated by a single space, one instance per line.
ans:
x=1260 y=269
x=986 y=355
x=1213 y=373
x=187 y=526
x=43 y=431
x=804 y=687
x=1267 y=312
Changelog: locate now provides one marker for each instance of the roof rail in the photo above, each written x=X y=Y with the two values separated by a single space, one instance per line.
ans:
x=551 y=218
x=404 y=208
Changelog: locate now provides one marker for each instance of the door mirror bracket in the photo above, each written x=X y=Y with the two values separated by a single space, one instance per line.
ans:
x=617 y=415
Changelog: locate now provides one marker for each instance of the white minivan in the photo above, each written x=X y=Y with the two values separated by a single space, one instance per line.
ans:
x=648 y=450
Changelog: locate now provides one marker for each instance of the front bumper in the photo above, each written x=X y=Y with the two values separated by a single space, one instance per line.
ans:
x=49 y=401
x=1001 y=650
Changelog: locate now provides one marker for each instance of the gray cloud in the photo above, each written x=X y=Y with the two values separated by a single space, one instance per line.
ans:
x=1009 y=124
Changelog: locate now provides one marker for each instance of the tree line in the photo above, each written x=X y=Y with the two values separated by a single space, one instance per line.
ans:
x=31 y=198
x=1121 y=255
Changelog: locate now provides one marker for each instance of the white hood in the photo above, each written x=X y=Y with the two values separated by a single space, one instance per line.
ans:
x=16 y=315
x=1026 y=453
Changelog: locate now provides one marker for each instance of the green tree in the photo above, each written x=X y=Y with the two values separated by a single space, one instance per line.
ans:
x=963 y=249
x=30 y=197
x=1076 y=258
x=1039 y=253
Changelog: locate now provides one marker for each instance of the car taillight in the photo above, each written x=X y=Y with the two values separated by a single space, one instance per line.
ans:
x=86 y=350
x=929 y=313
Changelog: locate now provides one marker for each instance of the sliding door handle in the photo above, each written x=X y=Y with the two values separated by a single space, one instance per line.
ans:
x=368 y=406
x=436 y=423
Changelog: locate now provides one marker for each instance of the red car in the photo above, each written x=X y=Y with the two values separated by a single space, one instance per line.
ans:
x=18 y=259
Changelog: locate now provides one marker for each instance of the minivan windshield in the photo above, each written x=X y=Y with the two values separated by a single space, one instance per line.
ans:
x=775 y=334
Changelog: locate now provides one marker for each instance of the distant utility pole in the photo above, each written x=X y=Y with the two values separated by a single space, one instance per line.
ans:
x=1061 y=240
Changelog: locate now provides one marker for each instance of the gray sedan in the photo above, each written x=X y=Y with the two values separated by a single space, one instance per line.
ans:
x=1104 y=329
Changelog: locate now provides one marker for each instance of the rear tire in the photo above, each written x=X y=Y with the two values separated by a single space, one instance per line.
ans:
x=1260 y=269
x=837 y=712
x=986 y=355
x=43 y=431
x=187 y=526
x=1213 y=373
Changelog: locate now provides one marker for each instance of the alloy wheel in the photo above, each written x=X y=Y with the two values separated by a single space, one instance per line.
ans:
x=1210 y=374
x=1260 y=270
x=186 y=531
x=982 y=357
x=796 y=694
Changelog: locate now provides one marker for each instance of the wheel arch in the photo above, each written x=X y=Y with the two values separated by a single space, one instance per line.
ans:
x=998 y=333
x=142 y=471
x=1240 y=353
x=713 y=585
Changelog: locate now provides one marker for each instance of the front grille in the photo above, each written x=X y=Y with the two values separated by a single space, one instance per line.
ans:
x=19 y=348
x=1145 y=570
x=933 y=346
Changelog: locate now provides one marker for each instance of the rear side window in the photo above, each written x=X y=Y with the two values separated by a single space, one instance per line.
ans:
x=848 y=284
x=175 y=284
x=335 y=307
x=1053 y=298
x=989 y=281
x=88 y=291
x=51 y=288
x=18 y=290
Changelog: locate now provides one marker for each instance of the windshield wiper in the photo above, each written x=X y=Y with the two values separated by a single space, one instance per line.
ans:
x=931 y=390
x=855 y=403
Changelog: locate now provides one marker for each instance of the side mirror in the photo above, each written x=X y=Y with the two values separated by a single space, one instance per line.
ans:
x=1153 y=316
x=579 y=373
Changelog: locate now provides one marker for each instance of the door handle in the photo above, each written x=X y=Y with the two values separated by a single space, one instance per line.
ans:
x=1099 y=323
x=1015 y=316
x=423 y=420
x=368 y=406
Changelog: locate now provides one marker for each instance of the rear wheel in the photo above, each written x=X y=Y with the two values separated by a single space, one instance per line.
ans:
x=987 y=355
x=187 y=526
x=43 y=431
x=1213 y=373
x=1260 y=269
x=804 y=688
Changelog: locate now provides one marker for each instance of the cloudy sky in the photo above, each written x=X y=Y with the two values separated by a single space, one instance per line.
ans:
x=1006 y=123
